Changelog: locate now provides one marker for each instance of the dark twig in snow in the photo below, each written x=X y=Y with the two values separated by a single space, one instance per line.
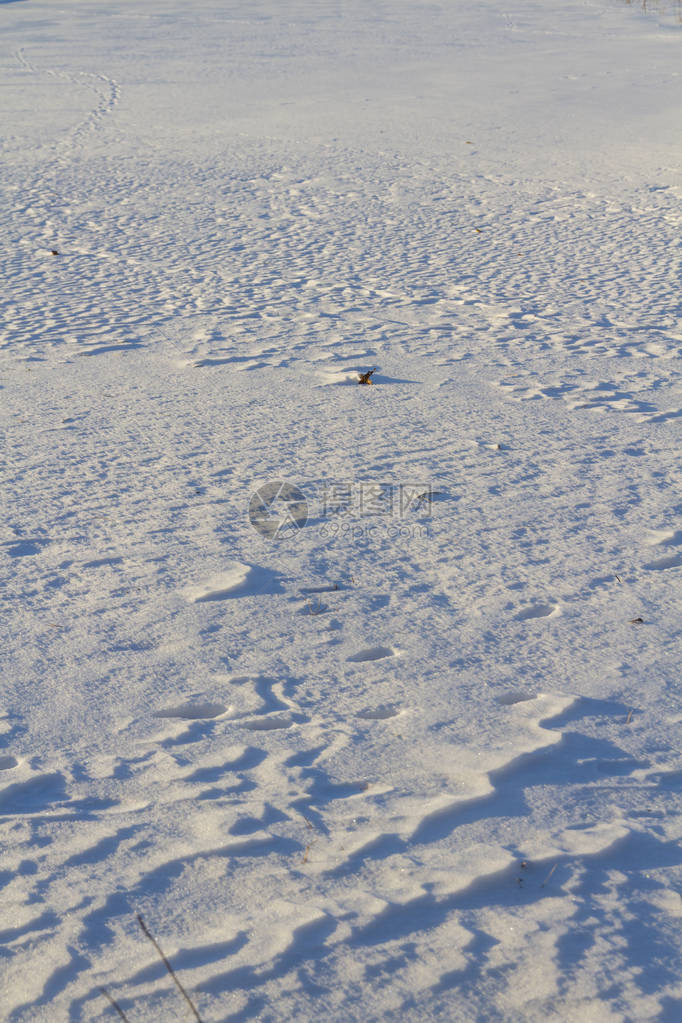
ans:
x=549 y=875
x=115 y=1004
x=169 y=968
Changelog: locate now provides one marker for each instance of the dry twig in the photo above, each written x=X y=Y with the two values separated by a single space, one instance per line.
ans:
x=549 y=875
x=169 y=967
x=115 y=1004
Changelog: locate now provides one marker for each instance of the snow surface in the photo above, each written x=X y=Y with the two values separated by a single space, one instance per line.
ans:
x=398 y=741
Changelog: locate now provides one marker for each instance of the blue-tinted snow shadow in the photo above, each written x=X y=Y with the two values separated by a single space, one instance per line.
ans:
x=26 y=546
x=635 y=918
x=48 y=792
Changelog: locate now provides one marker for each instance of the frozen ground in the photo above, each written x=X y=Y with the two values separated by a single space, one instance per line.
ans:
x=416 y=759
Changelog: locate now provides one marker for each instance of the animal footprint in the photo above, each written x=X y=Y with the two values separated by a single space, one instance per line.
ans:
x=268 y=724
x=194 y=711
x=537 y=611
x=514 y=696
x=372 y=653
x=381 y=713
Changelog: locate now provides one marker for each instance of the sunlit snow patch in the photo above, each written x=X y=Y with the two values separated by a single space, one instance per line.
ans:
x=339 y=376
x=236 y=580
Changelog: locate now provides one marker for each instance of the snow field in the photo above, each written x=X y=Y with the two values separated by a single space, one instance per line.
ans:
x=386 y=766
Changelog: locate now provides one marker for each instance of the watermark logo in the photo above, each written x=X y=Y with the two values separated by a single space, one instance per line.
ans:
x=364 y=499
x=276 y=506
x=355 y=510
